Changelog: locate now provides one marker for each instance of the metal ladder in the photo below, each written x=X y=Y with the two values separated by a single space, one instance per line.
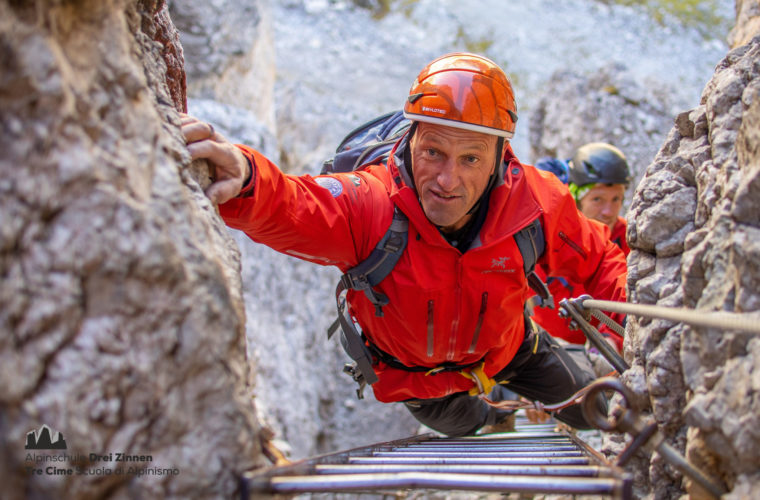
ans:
x=535 y=459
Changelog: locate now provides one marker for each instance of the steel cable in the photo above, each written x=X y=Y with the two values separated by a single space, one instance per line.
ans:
x=719 y=319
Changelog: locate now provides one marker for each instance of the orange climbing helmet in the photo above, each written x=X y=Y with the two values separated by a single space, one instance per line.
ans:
x=465 y=91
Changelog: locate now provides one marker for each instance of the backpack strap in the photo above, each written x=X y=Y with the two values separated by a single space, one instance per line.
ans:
x=379 y=264
x=364 y=277
x=532 y=243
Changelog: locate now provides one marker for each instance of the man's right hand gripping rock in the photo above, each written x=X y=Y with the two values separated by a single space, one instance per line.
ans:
x=231 y=167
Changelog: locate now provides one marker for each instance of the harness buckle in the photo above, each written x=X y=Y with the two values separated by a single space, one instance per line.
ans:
x=395 y=243
x=350 y=369
x=355 y=281
x=483 y=383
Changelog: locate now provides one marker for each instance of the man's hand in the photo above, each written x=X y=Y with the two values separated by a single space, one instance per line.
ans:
x=231 y=167
x=536 y=416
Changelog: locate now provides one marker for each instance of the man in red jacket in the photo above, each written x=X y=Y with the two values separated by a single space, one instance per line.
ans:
x=454 y=323
x=597 y=176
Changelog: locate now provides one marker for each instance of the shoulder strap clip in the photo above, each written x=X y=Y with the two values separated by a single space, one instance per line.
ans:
x=531 y=243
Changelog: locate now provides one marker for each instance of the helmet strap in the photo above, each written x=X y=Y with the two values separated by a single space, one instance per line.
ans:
x=408 y=151
x=579 y=192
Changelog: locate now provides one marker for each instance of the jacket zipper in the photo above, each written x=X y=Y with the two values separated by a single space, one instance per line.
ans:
x=572 y=244
x=430 y=330
x=481 y=315
x=455 y=321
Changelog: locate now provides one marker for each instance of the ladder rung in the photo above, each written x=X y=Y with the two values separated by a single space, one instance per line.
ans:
x=507 y=449
x=472 y=460
x=525 y=470
x=446 y=481
x=480 y=453
x=506 y=437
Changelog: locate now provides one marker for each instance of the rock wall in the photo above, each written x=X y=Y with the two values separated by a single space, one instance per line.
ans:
x=747 y=23
x=609 y=106
x=121 y=305
x=693 y=228
x=229 y=53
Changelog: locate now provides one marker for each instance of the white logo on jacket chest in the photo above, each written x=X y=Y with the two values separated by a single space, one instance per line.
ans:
x=499 y=265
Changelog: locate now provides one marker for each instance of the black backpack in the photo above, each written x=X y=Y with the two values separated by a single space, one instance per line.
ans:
x=368 y=142
x=371 y=143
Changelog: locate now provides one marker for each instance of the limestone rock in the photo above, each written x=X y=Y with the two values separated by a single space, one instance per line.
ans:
x=229 y=53
x=120 y=300
x=609 y=106
x=237 y=124
x=165 y=33
x=747 y=23
x=696 y=214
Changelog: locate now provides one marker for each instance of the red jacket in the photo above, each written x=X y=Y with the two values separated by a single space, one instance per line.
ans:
x=445 y=306
x=618 y=235
x=562 y=287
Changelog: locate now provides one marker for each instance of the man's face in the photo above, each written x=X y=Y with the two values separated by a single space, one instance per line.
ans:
x=451 y=170
x=603 y=203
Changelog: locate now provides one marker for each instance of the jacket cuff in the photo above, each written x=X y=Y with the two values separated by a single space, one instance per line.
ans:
x=250 y=182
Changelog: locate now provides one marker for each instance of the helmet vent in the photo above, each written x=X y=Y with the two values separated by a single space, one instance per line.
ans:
x=591 y=169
